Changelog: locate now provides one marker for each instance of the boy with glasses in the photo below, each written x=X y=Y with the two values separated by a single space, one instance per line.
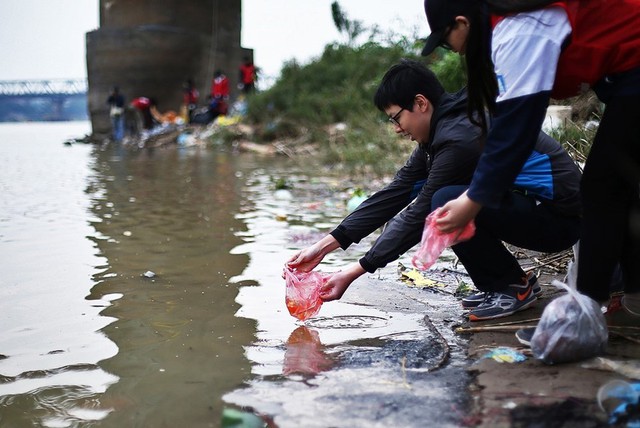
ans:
x=541 y=212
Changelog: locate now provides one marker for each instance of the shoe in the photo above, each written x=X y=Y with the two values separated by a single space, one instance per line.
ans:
x=524 y=335
x=618 y=315
x=517 y=297
x=474 y=300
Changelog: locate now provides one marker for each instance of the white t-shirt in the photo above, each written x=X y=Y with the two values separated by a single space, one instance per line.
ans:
x=525 y=51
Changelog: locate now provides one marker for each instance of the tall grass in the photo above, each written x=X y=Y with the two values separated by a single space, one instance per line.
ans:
x=576 y=139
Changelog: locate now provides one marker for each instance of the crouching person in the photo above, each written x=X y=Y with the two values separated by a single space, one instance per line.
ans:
x=541 y=212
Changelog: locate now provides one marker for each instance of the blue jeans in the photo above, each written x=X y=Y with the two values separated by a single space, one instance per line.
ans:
x=117 y=123
x=520 y=221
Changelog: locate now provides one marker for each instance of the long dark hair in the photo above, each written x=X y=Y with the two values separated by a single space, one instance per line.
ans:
x=482 y=82
x=482 y=85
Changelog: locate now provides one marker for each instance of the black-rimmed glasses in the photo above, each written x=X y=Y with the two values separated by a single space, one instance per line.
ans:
x=394 y=119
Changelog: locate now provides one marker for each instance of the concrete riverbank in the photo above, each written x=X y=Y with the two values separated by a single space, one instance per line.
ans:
x=510 y=394
x=532 y=393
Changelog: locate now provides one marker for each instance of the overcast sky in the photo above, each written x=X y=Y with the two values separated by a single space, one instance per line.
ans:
x=44 y=39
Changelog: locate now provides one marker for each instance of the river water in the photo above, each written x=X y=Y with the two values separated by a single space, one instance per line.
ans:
x=142 y=288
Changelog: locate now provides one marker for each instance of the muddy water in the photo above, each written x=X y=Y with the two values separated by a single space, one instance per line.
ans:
x=143 y=289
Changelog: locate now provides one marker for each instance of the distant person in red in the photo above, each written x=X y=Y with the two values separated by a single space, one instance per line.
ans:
x=247 y=76
x=218 y=102
x=190 y=97
x=143 y=105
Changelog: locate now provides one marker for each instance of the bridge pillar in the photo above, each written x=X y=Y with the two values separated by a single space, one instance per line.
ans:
x=151 y=47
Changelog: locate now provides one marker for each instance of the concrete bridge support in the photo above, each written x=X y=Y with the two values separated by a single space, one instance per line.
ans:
x=151 y=47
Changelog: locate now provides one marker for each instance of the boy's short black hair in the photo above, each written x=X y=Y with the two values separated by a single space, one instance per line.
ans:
x=403 y=81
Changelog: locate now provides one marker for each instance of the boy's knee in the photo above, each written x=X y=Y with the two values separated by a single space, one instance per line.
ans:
x=446 y=194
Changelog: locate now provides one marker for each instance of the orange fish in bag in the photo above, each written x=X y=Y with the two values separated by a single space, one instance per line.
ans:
x=303 y=292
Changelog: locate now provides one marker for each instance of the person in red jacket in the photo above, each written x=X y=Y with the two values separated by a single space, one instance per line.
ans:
x=218 y=101
x=517 y=59
x=143 y=105
x=190 y=98
x=247 y=76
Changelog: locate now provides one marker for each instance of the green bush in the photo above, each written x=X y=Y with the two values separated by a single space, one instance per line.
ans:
x=336 y=87
x=450 y=69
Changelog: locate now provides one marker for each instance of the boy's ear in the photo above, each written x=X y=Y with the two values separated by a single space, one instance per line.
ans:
x=422 y=102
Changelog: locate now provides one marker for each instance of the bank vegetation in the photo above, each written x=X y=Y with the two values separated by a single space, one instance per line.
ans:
x=323 y=111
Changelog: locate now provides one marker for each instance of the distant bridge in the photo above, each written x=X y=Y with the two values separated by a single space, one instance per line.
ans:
x=52 y=99
x=43 y=88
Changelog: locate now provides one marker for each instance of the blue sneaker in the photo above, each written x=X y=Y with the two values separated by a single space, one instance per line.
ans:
x=516 y=297
x=474 y=300
x=524 y=335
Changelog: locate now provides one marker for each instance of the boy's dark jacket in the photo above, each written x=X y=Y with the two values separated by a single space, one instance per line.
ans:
x=449 y=158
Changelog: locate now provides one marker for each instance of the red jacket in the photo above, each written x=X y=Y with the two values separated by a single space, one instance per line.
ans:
x=141 y=103
x=220 y=87
x=247 y=73
x=605 y=40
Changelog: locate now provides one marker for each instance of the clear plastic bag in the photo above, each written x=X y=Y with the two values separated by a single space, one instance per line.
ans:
x=571 y=328
x=434 y=242
x=303 y=292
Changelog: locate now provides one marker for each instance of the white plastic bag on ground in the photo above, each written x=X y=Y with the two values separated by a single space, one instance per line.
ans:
x=571 y=328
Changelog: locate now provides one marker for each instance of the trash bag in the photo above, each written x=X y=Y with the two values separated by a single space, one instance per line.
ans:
x=303 y=292
x=571 y=328
x=434 y=242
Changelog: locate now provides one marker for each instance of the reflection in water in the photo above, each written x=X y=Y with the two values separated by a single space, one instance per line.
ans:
x=305 y=354
x=88 y=340
x=171 y=212
x=51 y=341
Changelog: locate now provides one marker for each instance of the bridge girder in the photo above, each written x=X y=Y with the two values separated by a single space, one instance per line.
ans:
x=39 y=88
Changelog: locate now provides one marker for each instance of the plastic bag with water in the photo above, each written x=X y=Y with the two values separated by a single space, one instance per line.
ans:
x=434 y=242
x=303 y=292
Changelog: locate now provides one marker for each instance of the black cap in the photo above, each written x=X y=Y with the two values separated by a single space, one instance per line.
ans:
x=440 y=15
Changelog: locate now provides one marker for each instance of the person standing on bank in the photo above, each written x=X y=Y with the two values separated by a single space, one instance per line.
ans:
x=190 y=98
x=540 y=213
x=219 y=98
x=247 y=75
x=116 y=113
x=516 y=61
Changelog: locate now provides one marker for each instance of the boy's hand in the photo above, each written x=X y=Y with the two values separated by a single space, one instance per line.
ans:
x=306 y=260
x=340 y=281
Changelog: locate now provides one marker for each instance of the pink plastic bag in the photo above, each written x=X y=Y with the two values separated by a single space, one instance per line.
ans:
x=303 y=292
x=434 y=242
